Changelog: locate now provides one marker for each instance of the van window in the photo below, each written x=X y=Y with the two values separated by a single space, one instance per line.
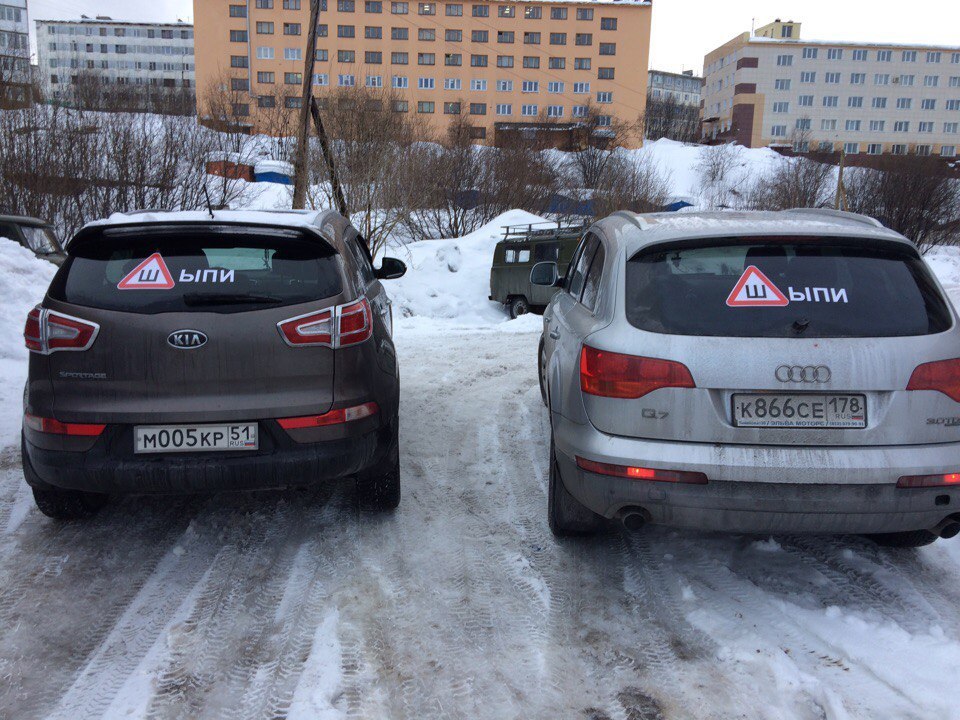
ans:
x=197 y=272
x=546 y=252
x=510 y=256
x=523 y=256
x=806 y=287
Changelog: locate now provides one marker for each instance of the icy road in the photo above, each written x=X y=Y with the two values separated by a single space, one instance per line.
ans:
x=461 y=604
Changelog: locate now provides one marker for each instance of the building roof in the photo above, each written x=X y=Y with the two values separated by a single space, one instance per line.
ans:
x=108 y=21
x=853 y=43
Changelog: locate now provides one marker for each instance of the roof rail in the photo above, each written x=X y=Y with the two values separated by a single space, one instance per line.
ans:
x=841 y=214
x=633 y=218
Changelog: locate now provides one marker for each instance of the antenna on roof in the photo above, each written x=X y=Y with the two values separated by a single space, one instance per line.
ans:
x=209 y=204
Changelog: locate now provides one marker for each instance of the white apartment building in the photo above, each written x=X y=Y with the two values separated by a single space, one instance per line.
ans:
x=684 y=88
x=771 y=88
x=144 y=57
x=14 y=53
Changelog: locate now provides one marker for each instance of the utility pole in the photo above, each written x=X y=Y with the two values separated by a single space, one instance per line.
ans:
x=302 y=163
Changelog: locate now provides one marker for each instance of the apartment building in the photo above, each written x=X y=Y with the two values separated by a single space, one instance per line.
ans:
x=684 y=88
x=14 y=54
x=506 y=65
x=772 y=88
x=140 y=61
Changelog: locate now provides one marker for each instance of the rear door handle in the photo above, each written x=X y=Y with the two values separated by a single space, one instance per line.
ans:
x=555 y=334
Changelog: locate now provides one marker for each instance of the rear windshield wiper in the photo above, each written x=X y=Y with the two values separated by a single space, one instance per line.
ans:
x=196 y=299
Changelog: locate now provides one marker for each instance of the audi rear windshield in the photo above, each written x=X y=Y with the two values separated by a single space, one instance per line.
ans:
x=191 y=271
x=792 y=287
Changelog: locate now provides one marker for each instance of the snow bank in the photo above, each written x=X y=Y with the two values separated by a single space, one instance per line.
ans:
x=945 y=262
x=449 y=280
x=23 y=282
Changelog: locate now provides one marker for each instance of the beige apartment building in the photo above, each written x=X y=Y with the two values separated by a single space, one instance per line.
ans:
x=504 y=65
x=772 y=88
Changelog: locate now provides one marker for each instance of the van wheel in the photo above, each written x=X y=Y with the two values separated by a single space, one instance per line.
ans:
x=68 y=504
x=542 y=371
x=379 y=488
x=566 y=516
x=519 y=306
x=910 y=539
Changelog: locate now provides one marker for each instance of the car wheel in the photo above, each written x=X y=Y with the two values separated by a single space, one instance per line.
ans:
x=519 y=306
x=566 y=516
x=68 y=504
x=379 y=488
x=911 y=539
x=542 y=372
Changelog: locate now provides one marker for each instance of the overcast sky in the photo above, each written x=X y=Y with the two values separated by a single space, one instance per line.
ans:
x=683 y=30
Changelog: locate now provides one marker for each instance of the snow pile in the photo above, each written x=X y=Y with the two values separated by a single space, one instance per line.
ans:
x=449 y=280
x=945 y=263
x=23 y=282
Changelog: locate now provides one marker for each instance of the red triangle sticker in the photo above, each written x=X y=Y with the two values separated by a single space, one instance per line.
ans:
x=754 y=289
x=151 y=274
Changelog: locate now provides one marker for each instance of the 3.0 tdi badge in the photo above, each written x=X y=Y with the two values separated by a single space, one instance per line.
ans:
x=186 y=339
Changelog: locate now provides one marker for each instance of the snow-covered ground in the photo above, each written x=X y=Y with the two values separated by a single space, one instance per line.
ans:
x=460 y=604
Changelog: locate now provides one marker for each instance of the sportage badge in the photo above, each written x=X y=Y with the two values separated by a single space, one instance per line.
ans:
x=803 y=373
x=186 y=339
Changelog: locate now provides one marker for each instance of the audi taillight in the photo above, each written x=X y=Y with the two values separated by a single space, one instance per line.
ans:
x=942 y=376
x=641 y=473
x=614 y=375
x=337 y=327
x=334 y=417
x=926 y=481
x=48 y=331
x=51 y=426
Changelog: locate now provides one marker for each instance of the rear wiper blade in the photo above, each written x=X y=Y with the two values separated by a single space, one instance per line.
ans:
x=196 y=299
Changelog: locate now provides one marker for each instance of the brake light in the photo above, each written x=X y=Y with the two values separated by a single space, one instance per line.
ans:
x=610 y=374
x=48 y=331
x=641 y=473
x=55 y=427
x=334 y=417
x=920 y=481
x=943 y=376
x=341 y=326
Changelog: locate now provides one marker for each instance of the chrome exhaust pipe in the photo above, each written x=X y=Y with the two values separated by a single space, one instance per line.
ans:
x=633 y=520
x=949 y=527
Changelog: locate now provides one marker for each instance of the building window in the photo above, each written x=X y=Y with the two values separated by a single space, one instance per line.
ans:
x=533 y=12
x=426 y=83
x=478 y=61
x=531 y=62
x=778 y=131
x=454 y=10
x=874 y=149
x=452 y=84
x=400 y=82
x=453 y=35
x=832 y=78
x=426 y=34
x=581 y=88
x=877 y=125
x=425 y=107
x=373 y=32
x=479 y=36
x=346 y=6
x=505 y=109
x=530 y=86
x=291 y=28
x=321 y=79
x=810 y=53
x=953 y=104
x=780 y=107
x=504 y=85
x=881 y=79
x=453 y=59
x=605 y=73
x=374 y=7
x=373 y=57
x=531 y=38
x=236 y=11
x=528 y=110
x=928 y=104
x=580 y=110
x=901 y=126
x=346 y=31
x=292 y=54
x=240 y=109
x=399 y=58
x=558 y=38
x=782 y=84
x=828 y=125
x=480 y=11
x=858 y=78
x=346 y=56
x=427 y=9
x=884 y=55
x=852 y=126
x=399 y=8
x=851 y=148
x=451 y=108
x=904 y=103
x=322 y=30
x=346 y=80
x=803 y=124
x=266 y=101
x=505 y=61
x=293 y=78
x=504 y=36
x=931 y=81
x=584 y=13
x=266 y=78
x=558 y=13
x=237 y=61
x=264 y=53
x=583 y=39
x=855 y=102
x=401 y=106
x=830 y=100
x=906 y=80
x=805 y=101
x=604 y=97
x=784 y=60
x=926 y=127
x=807 y=77
x=239 y=84
x=898 y=149
x=477 y=85
x=608 y=23
x=859 y=55
x=264 y=28
x=923 y=150
x=239 y=36
x=507 y=11
x=478 y=109
x=948 y=151
x=555 y=87
x=581 y=63
x=951 y=128
x=554 y=111
x=835 y=54
x=399 y=33
x=934 y=57
x=608 y=48
x=879 y=103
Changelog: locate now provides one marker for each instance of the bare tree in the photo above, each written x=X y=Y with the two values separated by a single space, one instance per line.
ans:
x=632 y=181
x=721 y=176
x=794 y=183
x=667 y=117
x=916 y=196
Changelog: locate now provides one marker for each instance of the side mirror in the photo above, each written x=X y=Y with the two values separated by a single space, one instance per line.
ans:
x=545 y=274
x=390 y=269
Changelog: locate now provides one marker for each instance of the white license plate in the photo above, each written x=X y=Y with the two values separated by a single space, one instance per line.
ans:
x=195 y=438
x=776 y=410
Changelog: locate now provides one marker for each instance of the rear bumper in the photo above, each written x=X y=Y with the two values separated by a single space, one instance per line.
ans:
x=763 y=489
x=111 y=467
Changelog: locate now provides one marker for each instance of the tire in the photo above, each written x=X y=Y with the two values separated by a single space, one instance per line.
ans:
x=566 y=516
x=519 y=306
x=68 y=504
x=379 y=488
x=910 y=539
x=541 y=359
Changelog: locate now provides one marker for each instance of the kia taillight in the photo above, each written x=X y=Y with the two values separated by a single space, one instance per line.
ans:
x=942 y=376
x=926 y=481
x=610 y=374
x=48 y=331
x=334 y=417
x=341 y=326
x=641 y=473
x=51 y=426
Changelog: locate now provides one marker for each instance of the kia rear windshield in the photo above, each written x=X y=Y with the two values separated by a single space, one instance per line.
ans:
x=228 y=272
x=803 y=287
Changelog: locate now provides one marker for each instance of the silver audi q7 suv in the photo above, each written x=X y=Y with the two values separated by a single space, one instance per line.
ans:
x=180 y=352
x=795 y=371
